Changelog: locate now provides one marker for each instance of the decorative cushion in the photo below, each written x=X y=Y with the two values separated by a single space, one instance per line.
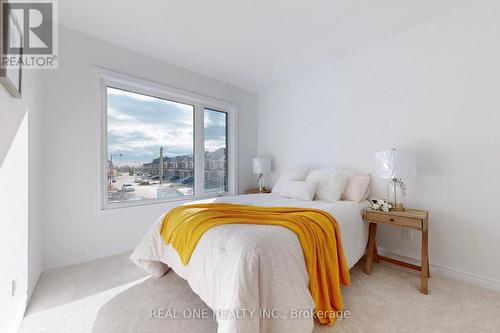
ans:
x=299 y=190
x=357 y=187
x=289 y=174
x=331 y=184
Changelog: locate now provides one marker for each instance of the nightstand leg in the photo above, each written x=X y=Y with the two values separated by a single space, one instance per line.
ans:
x=424 y=275
x=428 y=269
x=371 y=248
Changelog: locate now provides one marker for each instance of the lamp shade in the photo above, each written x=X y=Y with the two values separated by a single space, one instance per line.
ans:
x=396 y=164
x=261 y=165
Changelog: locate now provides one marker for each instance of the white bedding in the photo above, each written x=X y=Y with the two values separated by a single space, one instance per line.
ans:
x=252 y=268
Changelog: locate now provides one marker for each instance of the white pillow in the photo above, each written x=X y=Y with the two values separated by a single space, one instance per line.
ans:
x=331 y=184
x=299 y=190
x=289 y=174
x=357 y=187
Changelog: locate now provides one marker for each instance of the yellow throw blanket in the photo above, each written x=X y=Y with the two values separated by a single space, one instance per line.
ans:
x=318 y=233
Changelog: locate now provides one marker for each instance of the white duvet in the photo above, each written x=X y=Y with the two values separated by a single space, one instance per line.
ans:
x=254 y=276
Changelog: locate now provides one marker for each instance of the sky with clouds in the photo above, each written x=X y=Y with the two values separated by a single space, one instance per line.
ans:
x=139 y=125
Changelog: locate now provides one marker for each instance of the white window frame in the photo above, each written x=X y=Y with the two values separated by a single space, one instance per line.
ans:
x=106 y=78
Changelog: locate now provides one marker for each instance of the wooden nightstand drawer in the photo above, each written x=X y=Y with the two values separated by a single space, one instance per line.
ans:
x=394 y=219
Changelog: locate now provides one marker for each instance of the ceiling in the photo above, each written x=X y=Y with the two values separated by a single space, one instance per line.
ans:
x=251 y=44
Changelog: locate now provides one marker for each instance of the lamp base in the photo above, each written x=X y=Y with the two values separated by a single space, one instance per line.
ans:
x=261 y=183
x=396 y=194
x=398 y=207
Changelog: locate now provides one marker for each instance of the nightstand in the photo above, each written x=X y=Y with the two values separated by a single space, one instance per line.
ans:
x=256 y=191
x=410 y=218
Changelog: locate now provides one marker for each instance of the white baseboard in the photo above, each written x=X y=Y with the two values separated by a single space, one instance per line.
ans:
x=453 y=273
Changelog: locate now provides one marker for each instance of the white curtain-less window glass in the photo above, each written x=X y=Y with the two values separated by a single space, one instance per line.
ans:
x=150 y=147
x=215 y=147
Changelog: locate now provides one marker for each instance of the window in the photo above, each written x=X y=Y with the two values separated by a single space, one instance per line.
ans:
x=150 y=147
x=162 y=144
x=215 y=146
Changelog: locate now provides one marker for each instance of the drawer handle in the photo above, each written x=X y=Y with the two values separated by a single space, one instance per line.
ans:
x=391 y=219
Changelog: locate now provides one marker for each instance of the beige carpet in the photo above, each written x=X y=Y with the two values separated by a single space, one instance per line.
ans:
x=111 y=295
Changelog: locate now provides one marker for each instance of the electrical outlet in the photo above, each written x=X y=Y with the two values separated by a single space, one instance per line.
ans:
x=13 y=287
x=406 y=234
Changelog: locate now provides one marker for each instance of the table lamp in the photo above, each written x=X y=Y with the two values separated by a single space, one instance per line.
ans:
x=396 y=165
x=261 y=165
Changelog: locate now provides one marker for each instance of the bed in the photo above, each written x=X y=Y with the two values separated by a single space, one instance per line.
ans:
x=253 y=277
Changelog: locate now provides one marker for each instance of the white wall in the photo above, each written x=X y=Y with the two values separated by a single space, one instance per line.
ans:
x=75 y=229
x=34 y=96
x=434 y=88
x=19 y=203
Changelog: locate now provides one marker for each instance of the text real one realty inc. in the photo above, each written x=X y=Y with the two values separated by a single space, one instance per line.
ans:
x=222 y=314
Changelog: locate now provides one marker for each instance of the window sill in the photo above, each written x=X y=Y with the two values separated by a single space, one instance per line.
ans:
x=155 y=203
